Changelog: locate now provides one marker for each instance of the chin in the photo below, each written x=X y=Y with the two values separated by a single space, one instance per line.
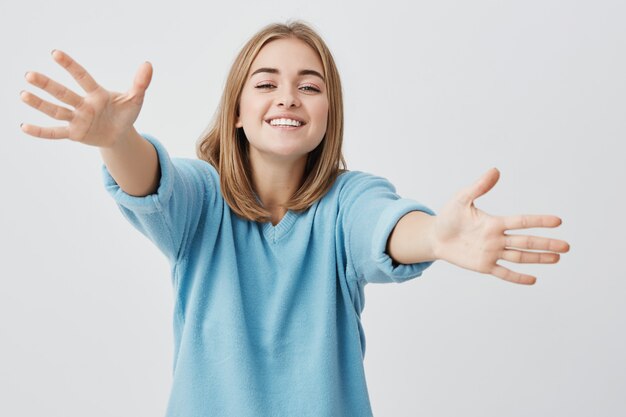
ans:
x=290 y=148
x=286 y=153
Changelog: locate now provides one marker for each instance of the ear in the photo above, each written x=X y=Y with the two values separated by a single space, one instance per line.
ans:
x=238 y=122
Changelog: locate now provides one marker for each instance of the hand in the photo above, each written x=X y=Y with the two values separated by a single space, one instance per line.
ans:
x=470 y=238
x=99 y=119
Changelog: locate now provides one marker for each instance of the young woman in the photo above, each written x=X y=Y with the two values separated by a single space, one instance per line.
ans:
x=270 y=238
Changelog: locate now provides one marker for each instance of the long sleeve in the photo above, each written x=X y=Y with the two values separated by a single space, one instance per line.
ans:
x=372 y=209
x=170 y=216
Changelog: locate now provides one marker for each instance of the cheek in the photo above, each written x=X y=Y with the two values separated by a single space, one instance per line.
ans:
x=322 y=114
x=246 y=104
x=252 y=109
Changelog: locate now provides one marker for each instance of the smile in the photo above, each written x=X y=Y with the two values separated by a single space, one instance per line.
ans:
x=295 y=126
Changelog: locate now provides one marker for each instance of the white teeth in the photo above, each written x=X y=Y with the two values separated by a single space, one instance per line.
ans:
x=285 y=122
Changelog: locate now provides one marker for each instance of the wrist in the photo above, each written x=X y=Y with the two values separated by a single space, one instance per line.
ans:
x=434 y=245
x=411 y=240
x=120 y=140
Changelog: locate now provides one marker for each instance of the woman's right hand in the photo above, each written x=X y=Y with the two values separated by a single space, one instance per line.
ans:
x=100 y=118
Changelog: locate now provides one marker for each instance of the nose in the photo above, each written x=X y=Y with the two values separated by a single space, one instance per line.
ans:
x=287 y=98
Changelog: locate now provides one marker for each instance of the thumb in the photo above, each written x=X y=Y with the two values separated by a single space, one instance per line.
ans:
x=142 y=80
x=480 y=187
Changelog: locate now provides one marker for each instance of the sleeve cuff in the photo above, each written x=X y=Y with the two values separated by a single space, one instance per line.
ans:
x=149 y=203
x=387 y=221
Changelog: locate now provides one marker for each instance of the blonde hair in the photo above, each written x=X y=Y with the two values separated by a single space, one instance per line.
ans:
x=226 y=148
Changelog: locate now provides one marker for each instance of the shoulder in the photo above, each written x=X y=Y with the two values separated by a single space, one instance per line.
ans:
x=164 y=156
x=198 y=165
x=201 y=176
x=354 y=184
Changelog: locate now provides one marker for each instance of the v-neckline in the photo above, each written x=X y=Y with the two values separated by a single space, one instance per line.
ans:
x=275 y=232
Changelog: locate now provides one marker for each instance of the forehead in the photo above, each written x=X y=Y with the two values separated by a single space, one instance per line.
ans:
x=289 y=54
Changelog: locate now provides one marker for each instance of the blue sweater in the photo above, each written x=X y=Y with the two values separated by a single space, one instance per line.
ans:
x=267 y=318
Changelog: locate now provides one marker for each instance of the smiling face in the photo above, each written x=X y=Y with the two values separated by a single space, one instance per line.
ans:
x=285 y=81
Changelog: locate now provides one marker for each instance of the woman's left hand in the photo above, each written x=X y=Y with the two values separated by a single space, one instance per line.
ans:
x=470 y=238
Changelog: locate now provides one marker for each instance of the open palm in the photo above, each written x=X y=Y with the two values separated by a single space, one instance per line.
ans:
x=99 y=118
x=472 y=239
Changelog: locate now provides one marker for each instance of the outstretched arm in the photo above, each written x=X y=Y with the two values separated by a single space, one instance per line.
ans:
x=470 y=238
x=100 y=118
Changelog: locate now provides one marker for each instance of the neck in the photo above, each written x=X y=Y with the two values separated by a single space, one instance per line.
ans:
x=276 y=181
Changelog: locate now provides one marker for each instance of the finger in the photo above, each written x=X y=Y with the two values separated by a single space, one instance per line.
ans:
x=480 y=187
x=52 y=110
x=515 y=277
x=57 y=90
x=142 y=79
x=140 y=83
x=79 y=73
x=46 y=132
x=522 y=257
x=526 y=221
x=535 y=243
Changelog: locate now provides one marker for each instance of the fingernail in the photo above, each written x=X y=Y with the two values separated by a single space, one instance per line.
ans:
x=21 y=124
x=52 y=53
x=25 y=74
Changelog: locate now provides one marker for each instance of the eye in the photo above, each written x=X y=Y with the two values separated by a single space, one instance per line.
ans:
x=311 y=88
x=305 y=87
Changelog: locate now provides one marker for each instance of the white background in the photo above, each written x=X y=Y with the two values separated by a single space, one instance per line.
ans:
x=435 y=94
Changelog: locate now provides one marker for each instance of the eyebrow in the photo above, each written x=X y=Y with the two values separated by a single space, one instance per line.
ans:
x=301 y=72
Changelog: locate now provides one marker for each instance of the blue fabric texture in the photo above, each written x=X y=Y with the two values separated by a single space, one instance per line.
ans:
x=267 y=318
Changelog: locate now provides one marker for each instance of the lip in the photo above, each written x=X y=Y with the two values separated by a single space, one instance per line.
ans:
x=284 y=127
x=286 y=116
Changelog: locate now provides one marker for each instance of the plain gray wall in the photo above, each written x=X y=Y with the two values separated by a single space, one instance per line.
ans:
x=435 y=94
